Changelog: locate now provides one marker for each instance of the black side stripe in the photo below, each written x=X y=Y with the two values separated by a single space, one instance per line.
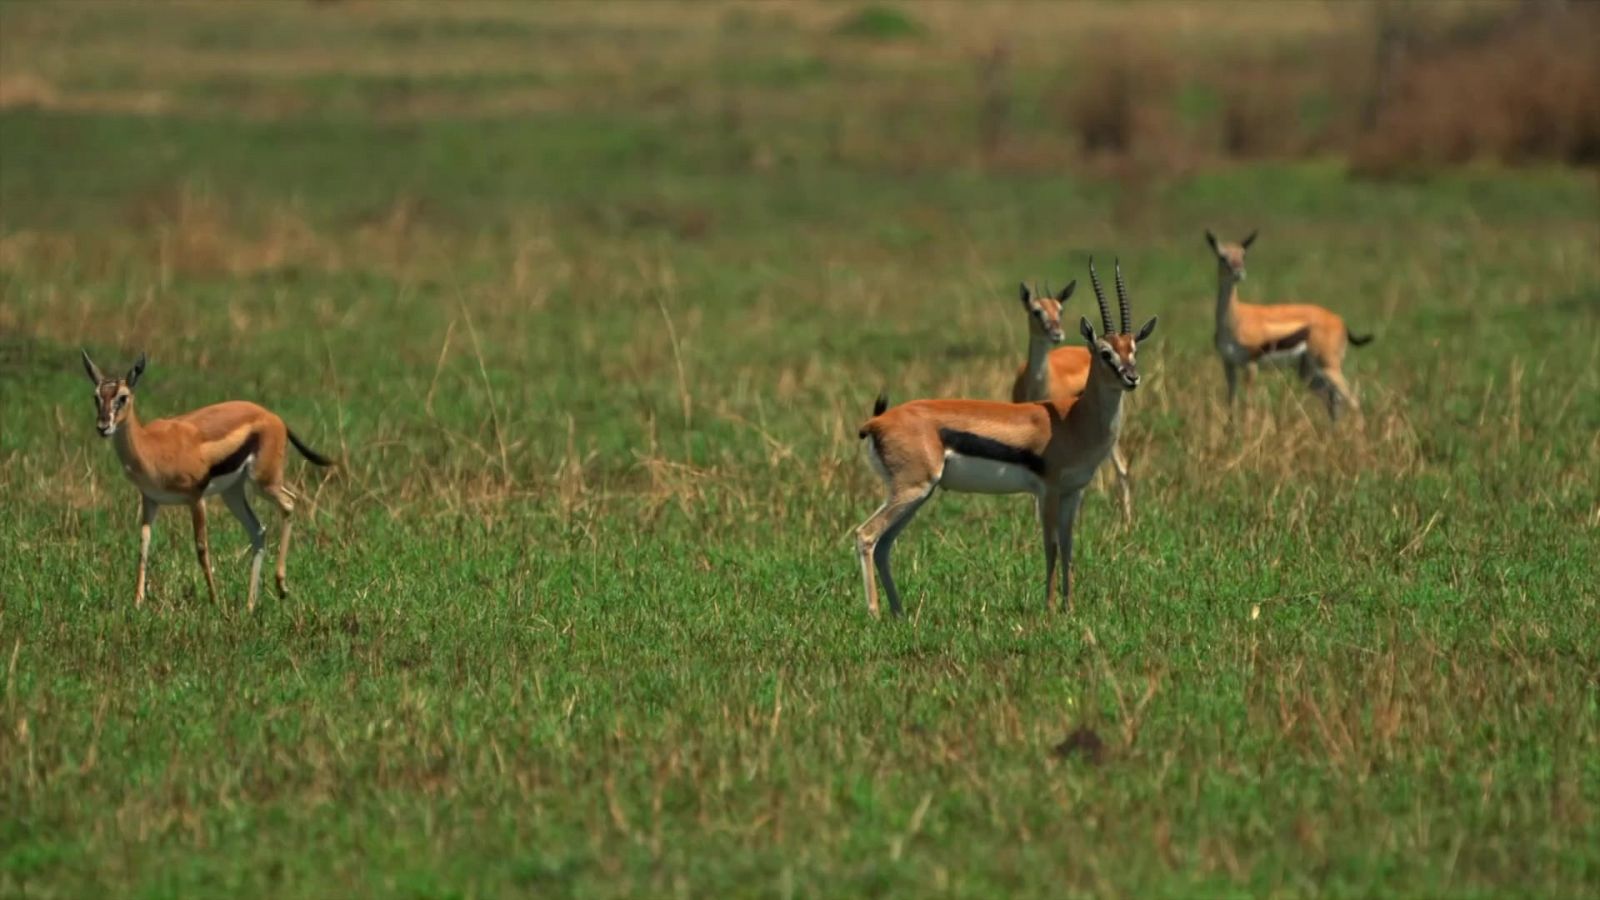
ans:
x=233 y=461
x=1288 y=342
x=968 y=444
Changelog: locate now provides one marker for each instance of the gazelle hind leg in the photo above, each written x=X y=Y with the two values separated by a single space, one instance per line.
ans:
x=880 y=554
x=1329 y=384
x=875 y=539
x=284 y=498
x=240 y=507
x=1340 y=398
x=864 y=556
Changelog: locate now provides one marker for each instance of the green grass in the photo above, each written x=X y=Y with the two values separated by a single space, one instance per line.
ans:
x=580 y=615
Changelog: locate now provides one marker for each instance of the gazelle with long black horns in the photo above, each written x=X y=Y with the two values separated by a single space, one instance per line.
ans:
x=182 y=460
x=1303 y=335
x=1049 y=449
x=1053 y=372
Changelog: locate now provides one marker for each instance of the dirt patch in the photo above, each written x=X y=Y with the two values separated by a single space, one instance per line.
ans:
x=1083 y=743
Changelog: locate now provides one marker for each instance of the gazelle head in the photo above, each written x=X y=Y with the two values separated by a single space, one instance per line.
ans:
x=1044 y=311
x=113 y=397
x=1230 y=256
x=1115 y=349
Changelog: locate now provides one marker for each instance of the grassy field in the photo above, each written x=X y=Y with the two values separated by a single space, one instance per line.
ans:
x=590 y=301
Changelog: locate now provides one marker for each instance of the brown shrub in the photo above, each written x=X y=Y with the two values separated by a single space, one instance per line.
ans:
x=1123 y=101
x=1260 y=117
x=1527 y=90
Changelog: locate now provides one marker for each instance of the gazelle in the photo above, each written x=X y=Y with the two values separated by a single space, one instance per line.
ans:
x=1300 y=334
x=1053 y=372
x=182 y=460
x=1049 y=449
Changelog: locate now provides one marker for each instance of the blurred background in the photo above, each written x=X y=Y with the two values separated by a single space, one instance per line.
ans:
x=1392 y=87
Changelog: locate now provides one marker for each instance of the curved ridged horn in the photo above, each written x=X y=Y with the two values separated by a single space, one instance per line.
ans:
x=1100 y=297
x=1122 y=298
x=91 y=369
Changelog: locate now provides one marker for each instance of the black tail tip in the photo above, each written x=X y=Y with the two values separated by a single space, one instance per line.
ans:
x=312 y=456
x=1358 y=340
x=880 y=404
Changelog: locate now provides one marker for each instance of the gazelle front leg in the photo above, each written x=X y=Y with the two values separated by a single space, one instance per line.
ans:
x=1049 y=522
x=1124 y=481
x=240 y=507
x=1231 y=372
x=202 y=548
x=1067 y=516
x=147 y=517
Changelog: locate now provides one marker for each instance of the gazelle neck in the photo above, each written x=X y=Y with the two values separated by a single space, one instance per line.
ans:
x=129 y=437
x=1038 y=375
x=1227 y=299
x=1099 y=408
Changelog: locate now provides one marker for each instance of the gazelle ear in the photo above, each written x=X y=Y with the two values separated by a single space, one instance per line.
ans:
x=136 y=371
x=89 y=367
x=1085 y=329
x=1027 y=294
x=1212 y=240
x=1067 y=291
x=1249 y=240
x=1148 y=329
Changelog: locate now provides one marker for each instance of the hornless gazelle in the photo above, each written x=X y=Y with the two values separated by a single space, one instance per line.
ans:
x=182 y=460
x=1049 y=449
x=1300 y=334
x=1059 y=373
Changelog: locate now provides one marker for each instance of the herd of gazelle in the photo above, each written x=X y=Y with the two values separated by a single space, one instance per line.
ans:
x=1065 y=415
x=1062 y=424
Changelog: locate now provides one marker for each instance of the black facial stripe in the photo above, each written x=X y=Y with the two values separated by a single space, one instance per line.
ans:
x=968 y=444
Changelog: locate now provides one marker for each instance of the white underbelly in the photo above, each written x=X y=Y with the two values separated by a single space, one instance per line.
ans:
x=163 y=497
x=976 y=475
x=224 y=482
x=215 y=486
x=1232 y=351
x=1289 y=356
